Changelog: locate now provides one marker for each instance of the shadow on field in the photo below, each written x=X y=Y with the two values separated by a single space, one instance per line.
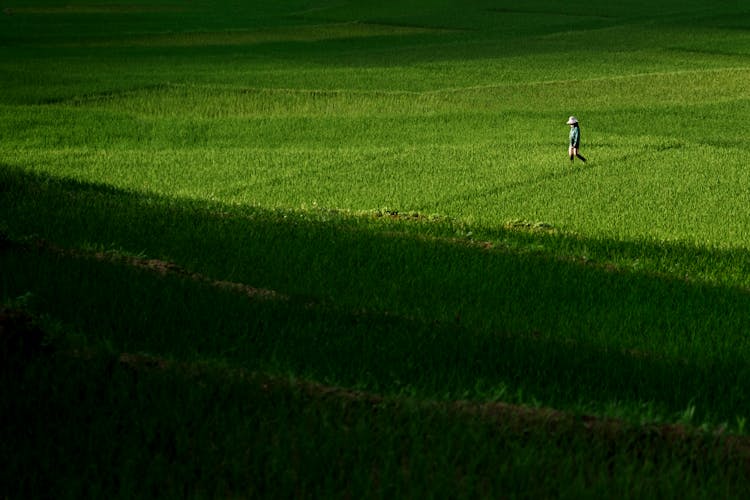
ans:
x=387 y=306
x=135 y=425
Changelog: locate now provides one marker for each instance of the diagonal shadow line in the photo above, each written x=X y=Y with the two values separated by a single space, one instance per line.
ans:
x=515 y=326
x=354 y=347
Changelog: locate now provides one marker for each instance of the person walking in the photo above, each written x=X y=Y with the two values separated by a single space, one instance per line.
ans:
x=575 y=139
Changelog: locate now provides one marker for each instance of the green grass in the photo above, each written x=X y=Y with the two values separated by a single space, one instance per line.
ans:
x=386 y=187
x=275 y=437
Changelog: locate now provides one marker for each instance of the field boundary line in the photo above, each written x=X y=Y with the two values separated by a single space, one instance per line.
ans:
x=163 y=268
x=517 y=417
x=334 y=92
x=539 y=83
x=447 y=90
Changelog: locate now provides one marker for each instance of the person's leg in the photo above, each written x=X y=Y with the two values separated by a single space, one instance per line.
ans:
x=573 y=152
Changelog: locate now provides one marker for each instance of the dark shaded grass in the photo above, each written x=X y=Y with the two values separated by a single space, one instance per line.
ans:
x=138 y=311
x=391 y=306
x=92 y=423
x=35 y=22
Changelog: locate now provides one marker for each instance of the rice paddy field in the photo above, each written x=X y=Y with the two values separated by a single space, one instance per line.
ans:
x=337 y=249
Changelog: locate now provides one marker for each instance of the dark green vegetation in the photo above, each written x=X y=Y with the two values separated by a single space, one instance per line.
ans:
x=310 y=248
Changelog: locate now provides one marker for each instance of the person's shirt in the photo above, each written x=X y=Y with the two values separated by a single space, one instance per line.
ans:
x=575 y=136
